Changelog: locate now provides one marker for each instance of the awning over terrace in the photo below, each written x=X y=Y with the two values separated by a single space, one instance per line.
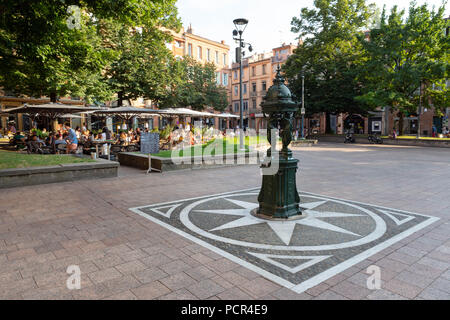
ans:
x=126 y=112
x=173 y=112
x=226 y=115
x=50 y=110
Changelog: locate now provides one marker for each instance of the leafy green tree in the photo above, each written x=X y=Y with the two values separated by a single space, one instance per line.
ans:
x=329 y=56
x=217 y=97
x=437 y=96
x=47 y=48
x=41 y=55
x=195 y=86
x=403 y=54
x=143 y=63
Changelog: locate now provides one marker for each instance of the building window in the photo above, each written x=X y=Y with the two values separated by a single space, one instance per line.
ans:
x=235 y=75
x=208 y=54
x=254 y=86
x=218 y=77
x=199 y=52
x=178 y=44
x=254 y=103
x=245 y=88
x=264 y=69
x=236 y=107
x=253 y=71
x=225 y=79
x=224 y=59
x=190 y=50
x=245 y=106
x=263 y=86
x=217 y=57
x=235 y=90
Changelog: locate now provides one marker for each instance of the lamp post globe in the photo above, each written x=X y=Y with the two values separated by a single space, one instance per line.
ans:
x=240 y=24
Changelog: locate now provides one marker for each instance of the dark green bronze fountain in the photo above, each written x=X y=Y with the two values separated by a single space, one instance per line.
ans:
x=278 y=198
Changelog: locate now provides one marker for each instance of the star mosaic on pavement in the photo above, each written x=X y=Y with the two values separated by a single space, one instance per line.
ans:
x=283 y=229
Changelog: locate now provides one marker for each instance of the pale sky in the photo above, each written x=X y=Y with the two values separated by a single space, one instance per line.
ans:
x=269 y=20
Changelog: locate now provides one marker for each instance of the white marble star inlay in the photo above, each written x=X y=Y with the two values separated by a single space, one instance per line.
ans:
x=283 y=229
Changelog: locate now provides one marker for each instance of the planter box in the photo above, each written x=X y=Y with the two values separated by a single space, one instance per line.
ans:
x=19 y=177
x=303 y=143
x=140 y=161
x=418 y=142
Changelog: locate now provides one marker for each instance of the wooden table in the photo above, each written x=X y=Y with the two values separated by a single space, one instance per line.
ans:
x=101 y=143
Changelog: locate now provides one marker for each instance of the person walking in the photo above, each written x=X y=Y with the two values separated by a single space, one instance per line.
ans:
x=434 y=131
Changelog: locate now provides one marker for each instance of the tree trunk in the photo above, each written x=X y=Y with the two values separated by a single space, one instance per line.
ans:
x=120 y=98
x=53 y=97
x=400 y=123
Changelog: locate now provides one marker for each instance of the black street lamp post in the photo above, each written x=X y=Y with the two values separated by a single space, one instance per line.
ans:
x=302 y=110
x=420 y=110
x=240 y=25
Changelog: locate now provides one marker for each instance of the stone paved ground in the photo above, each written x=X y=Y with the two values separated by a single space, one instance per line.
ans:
x=44 y=229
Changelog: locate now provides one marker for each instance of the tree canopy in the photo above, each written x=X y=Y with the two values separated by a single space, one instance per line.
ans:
x=54 y=49
x=329 y=55
x=141 y=68
x=403 y=54
x=196 y=87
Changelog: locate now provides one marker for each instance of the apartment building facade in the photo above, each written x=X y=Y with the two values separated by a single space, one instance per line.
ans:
x=187 y=43
x=258 y=73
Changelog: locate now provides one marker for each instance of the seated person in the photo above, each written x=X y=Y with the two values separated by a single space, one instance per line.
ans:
x=19 y=137
x=106 y=133
x=85 y=134
x=50 y=139
x=61 y=139
x=445 y=132
x=123 y=138
x=136 y=139
x=35 y=144
x=36 y=138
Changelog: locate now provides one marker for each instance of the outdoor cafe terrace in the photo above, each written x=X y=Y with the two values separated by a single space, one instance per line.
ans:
x=104 y=142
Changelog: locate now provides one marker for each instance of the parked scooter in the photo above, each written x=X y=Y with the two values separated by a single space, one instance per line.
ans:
x=375 y=138
x=349 y=137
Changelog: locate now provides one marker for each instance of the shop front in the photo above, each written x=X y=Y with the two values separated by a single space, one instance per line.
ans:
x=354 y=122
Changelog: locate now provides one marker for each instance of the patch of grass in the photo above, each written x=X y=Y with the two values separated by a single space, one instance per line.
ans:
x=10 y=159
x=229 y=145
x=421 y=138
